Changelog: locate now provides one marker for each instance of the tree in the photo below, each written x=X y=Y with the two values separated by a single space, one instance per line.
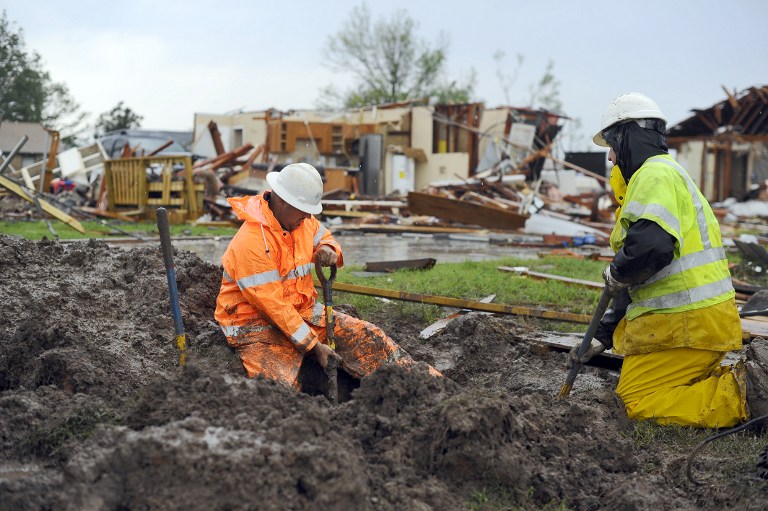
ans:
x=389 y=62
x=545 y=93
x=120 y=117
x=27 y=92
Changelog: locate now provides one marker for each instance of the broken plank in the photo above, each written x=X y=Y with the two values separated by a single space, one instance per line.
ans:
x=464 y=212
x=390 y=266
x=106 y=214
x=751 y=328
x=440 y=324
x=537 y=275
x=534 y=312
x=49 y=208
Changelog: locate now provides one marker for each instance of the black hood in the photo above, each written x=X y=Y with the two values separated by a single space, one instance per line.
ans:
x=634 y=144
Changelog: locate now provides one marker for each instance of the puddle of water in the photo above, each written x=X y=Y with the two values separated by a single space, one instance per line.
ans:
x=361 y=249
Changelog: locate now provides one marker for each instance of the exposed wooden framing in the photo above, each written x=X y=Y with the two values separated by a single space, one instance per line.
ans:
x=761 y=93
x=223 y=159
x=732 y=100
x=213 y=129
x=702 y=115
x=746 y=109
x=464 y=212
x=755 y=126
x=460 y=303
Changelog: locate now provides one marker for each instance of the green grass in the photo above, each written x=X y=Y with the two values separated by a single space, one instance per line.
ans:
x=729 y=457
x=36 y=230
x=476 y=280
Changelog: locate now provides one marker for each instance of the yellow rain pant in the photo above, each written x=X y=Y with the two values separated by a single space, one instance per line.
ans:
x=684 y=386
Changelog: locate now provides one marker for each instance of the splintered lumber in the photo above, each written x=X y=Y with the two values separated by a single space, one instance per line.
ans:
x=461 y=304
x=440 y=324
x=464 y=212
x=390 y=266
x=106 y=214
x=537 y=275
x=45 y=205
x=566 y=341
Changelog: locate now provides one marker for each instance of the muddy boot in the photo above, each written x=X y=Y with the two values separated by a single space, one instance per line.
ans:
x=757 y=379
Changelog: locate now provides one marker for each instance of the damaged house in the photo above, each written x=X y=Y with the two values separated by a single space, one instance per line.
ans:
x=388 y=149
x=725 y=147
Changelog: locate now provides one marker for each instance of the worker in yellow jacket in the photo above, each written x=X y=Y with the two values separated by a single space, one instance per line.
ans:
x=674 y=314
x=267 y=305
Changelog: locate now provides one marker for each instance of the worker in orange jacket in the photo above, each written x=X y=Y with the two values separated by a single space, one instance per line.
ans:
x=267 y=305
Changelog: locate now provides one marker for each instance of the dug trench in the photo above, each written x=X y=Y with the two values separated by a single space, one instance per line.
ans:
x=96 y=412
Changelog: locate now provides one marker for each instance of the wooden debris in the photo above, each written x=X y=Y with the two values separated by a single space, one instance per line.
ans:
x=46 y=206
x=390 y=266
x=464 y=212
x=461 y=304
x=442 y=323
x=525 y=271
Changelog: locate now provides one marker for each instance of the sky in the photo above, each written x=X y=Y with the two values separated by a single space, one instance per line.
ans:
x=168 y=59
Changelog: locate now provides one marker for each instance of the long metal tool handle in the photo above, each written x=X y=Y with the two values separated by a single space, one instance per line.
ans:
x=602 y=305
x=170 y=271
x=330 y=320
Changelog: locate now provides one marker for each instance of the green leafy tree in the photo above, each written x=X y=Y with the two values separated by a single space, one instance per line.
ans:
x=390 y=63
x=120 y=117
x=27 y=92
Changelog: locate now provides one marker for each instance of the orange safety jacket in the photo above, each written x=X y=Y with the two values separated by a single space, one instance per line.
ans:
x=267 y=280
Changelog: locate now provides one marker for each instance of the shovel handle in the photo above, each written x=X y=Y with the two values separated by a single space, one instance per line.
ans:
x=170 y=271
x=602 y=305
x=330 y=321
x=321 y=275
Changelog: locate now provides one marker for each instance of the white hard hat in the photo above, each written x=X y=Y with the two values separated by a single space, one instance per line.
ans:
x=631 y=105
x=300 y=185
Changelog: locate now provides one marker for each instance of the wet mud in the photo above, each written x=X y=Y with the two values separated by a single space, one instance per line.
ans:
x=96 y=413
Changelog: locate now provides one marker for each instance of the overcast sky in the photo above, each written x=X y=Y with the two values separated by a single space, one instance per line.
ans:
x=167 y=59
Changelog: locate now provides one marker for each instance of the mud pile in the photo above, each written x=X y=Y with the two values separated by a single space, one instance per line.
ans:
x=95 y=412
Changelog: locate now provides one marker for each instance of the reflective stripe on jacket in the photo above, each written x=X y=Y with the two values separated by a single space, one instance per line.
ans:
x=662 y=191
x=267 y=278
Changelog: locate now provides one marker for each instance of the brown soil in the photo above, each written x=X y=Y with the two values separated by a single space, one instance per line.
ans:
x=95 y=412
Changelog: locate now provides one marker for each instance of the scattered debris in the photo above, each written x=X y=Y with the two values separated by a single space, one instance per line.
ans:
x=390 y=266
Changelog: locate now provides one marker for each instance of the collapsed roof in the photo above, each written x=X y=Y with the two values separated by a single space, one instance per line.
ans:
x=742 y=113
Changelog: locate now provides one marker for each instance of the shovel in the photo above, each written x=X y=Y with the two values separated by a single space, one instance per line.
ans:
x=602 y=305
x=170 y=270
x=331 y=369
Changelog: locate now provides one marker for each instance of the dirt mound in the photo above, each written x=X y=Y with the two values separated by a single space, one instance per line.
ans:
x=95 y=412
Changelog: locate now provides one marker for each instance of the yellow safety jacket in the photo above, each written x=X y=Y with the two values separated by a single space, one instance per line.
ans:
x=689 y=303
x=267 y=280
